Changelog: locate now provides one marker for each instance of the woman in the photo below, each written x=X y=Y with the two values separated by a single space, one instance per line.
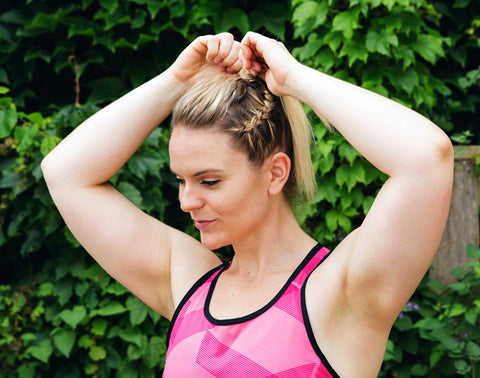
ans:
x=280 y=307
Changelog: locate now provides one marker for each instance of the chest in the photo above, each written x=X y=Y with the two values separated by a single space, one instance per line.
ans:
x=261 y=340
x=232 y=298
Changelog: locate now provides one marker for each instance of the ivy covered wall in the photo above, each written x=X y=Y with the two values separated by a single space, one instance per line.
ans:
x=60 y=314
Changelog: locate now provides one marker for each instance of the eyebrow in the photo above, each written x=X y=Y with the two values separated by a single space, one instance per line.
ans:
x=203 y=172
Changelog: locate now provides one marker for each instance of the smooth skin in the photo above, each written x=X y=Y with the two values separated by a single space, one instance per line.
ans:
x=354 y=297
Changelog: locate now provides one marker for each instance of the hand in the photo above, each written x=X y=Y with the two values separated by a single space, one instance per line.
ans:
x=207 y=56
x=271 y=61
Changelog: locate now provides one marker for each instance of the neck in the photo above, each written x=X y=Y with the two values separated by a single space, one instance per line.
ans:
x=279 y=245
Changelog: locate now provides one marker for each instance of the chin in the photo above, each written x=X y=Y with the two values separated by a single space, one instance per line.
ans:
x=213 y=243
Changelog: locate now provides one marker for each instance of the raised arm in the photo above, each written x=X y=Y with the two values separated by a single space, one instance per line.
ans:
x=143 y=254
x=385 y=259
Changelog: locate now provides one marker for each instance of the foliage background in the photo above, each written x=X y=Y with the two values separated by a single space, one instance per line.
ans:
x=61 y=315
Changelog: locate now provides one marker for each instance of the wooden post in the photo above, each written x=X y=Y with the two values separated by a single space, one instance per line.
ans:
x=463 y=223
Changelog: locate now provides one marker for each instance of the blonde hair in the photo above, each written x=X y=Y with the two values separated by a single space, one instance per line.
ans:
x=259 y=123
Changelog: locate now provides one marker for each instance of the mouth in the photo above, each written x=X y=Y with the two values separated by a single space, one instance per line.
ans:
x=203 y=224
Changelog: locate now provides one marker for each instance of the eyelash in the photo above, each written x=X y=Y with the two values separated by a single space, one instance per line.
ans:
x=205 y=182
x=210 y=183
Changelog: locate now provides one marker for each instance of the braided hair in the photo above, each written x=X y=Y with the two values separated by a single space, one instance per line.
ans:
x=243 y=107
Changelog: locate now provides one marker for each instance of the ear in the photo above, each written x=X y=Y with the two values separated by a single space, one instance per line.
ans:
x=280 y=166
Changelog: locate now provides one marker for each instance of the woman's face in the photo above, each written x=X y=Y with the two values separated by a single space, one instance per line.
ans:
x=226 y=196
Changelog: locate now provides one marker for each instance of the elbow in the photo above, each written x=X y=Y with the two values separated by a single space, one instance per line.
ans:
x=49 y=170
x=45 y=167
x=444 y=149
x=437 y=152
x=439 y=162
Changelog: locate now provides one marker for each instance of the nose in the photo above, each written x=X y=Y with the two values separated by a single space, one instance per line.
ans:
x=189 y=200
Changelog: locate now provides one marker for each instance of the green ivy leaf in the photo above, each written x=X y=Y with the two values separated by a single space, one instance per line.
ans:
x=177 y=8
x=48 y=144
x=393 y=352
x=109 y=5
x=27 y=370
x=113 y=308
x=116 y=288
x=346 y=151
x=429 y=47
x=462 y=367
x=42 y=351
x=97 y=353
x=405 y=53
x=134 y=352
x=419 y=370
x=307 y=16
x=85 y=342
x=328 y=190
x=436 y=356
x=99 y=327
x=354 y=51
x=403 y=324
x=350 y=176
x=73 y=317
x=145 y=162
x=231 y=18
x=407 y=79
x=154 y=6
x=429 y=324
x=473 y=350
x=44 y=21
x=8 y=120
x=25 y=136
x=333 y=219
x=326 y=164
x=310 y=48
x=45 y=289
x=333 y=39
x=131 y=335
x=64 y=341
x=131 y=193
x=375 y=43
x=138 y=310
x=156 y=348
x=347 y=22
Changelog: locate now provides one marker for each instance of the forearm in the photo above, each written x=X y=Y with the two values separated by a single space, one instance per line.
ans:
x=97 y=149
x=392 y=137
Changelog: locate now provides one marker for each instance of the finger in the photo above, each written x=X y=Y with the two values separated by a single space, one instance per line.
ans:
x=233 y=55
x=252 y=41
x=245 y=55
x=213 y=46
x=257 y=67
x=235 y=66
x=225 y=47
x=200 y=44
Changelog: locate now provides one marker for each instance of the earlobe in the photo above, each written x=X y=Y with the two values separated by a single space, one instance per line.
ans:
x=280 y=166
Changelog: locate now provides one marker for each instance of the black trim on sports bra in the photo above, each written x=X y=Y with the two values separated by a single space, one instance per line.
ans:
x=253 y=315
x=308 y=325
x=189 y=293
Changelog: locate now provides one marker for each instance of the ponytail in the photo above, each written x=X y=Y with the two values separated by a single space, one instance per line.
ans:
x=301 y=139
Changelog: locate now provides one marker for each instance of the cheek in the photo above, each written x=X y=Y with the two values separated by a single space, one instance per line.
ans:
x=248 y=202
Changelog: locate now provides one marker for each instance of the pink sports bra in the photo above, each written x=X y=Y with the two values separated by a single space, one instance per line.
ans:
x=275 y=341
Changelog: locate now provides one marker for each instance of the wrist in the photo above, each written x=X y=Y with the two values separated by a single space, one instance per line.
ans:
x=174 y=82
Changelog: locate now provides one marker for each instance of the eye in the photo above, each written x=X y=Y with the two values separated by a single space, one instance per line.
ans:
x=210 y=182
x=179 y=180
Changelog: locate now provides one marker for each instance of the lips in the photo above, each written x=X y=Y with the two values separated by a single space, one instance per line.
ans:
x=203 y=224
